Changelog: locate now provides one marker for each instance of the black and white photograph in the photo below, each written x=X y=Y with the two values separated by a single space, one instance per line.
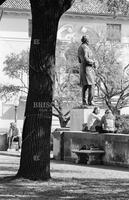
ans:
x=64 y=99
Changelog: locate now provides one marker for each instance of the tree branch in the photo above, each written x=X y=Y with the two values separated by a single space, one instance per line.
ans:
x=1 y=14
x=7 y=90
x=121 y=91
x=67 y=120
x=56 y=109
x=54 y=114
x=66 y=113
x=99 y=85
x=21 y=81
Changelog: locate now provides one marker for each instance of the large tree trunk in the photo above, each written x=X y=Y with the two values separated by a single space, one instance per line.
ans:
x=35 y=154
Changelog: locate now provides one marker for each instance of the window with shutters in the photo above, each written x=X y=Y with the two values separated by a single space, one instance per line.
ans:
x=114 y=32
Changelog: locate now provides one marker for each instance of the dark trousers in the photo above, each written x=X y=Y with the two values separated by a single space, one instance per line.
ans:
x=17 y=138
x=100 y=130
x=90 y=89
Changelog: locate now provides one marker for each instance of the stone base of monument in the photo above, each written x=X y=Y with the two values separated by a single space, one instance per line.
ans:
x=57 y=143
x=115 y=146
x=79 y=116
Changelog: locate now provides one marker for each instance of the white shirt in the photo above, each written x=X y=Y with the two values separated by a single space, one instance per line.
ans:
x=14 y=132
x=91 y=119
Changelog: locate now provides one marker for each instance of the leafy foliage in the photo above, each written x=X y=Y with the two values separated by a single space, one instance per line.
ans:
x=67 y=90
x=117 y=7
x=16 y=65
x=111 y=80
x=7 y=92
x=122 y=124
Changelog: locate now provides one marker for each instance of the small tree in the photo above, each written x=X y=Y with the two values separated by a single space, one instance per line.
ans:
x=16 y=67
x=67 y=91
x=111 y=79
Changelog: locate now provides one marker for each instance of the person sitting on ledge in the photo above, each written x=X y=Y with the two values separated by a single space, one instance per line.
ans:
x=108 y=123
x=94 y=119
x=14 y=133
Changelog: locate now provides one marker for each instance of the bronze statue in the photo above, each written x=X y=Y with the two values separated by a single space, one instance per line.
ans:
x=87 y=73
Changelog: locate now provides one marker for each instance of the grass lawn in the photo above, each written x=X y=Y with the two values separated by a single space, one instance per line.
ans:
x=69 y=181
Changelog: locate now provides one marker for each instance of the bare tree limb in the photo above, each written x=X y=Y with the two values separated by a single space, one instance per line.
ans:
x=66 y=113
x=56 y=115
x=1 y=14
x=57 y=109
x=17 y=77
x=67 y=120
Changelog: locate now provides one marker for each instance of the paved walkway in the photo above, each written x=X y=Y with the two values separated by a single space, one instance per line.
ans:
x=69 y=181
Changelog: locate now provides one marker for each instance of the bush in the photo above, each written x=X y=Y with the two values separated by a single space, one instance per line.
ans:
x=122 y=124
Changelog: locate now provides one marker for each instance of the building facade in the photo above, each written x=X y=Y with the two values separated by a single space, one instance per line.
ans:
x=90 y=18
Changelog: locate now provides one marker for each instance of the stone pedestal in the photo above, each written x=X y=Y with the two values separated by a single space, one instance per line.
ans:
x=3 y=142
x=57 y=142
x=78 y=117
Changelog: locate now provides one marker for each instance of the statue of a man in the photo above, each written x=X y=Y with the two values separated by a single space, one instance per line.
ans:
x=87 y=73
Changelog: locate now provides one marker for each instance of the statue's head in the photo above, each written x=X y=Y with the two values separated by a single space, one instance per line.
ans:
x=85 y=39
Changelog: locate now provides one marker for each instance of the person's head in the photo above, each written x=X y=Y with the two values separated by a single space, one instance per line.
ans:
x=96 y=110
x=85 y=39
x=13 y=125
x=108 y=112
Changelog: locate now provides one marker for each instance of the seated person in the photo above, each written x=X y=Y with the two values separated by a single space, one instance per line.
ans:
x=14 y=134
x=108 y=122
x=94 y=119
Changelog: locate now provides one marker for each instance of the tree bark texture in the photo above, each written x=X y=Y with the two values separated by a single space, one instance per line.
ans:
x=35 y=154
x=2 y=1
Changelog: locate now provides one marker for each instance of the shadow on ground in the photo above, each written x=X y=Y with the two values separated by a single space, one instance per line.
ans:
x=69 y=181
x=55 y=189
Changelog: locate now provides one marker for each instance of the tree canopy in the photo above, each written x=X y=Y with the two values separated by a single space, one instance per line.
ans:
x=117 y=7
x=16 y=66
x=112 y=81
x=67 y=90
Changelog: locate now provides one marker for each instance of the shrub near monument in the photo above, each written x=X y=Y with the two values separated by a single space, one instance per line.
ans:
x=122 y=124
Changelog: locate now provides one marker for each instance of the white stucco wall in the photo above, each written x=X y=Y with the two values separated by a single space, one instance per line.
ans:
x=14 y=35
x=13 y=38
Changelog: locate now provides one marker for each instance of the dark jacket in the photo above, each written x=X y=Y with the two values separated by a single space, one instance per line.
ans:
x=87 y=64
x=108 y=122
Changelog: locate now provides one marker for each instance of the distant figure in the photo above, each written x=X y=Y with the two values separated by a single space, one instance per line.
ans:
x=94 y=120
x=108 y=122
x=14 y=134
x=87 y=73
